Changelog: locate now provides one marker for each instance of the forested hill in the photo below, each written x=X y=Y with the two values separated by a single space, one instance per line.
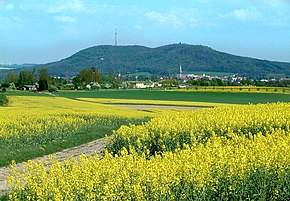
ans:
x=164 y=60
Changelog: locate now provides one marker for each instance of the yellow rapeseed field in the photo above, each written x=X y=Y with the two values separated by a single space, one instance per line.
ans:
x=30 y=116
x=171 y=132
x=224 y=153
x=32 y=126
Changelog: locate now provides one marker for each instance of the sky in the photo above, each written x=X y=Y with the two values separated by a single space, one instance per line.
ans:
x=34 y=31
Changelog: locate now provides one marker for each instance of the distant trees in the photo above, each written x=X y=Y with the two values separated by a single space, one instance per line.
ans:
x=43 y=74
x=207 y=82
x=91 y=78
x=26 y=78
x=87 y=76
x=77 y=82
x=43 y=79
x=169 y=83
x=12 y=77
x=113 y=79
x=247 y=82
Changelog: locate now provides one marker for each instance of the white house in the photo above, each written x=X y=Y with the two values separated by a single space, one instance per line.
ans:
x=140 y=85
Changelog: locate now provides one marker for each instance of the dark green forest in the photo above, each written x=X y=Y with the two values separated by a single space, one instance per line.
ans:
x=165 y=60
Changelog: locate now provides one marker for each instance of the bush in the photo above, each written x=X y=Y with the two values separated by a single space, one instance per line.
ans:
x=3 y=100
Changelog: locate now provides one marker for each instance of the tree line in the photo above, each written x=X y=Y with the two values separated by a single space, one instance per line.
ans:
x=91 y=78
x=88 y=77
x=38 y=78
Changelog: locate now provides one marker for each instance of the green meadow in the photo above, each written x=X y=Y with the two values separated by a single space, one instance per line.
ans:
x=212 y=97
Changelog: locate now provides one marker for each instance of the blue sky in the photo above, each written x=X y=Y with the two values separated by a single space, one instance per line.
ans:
x=34 y=31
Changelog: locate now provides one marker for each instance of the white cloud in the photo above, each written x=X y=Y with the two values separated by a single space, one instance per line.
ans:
x=164 y=18
x=68 y=5
x=276 y=3
x=245 y=14
x=176 y=18
x=65 y=19
x=18 y=19
x=9 y=6
x=241 y=14
x=6 y=6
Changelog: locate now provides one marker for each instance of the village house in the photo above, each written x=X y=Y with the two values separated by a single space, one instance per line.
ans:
x=27 y=88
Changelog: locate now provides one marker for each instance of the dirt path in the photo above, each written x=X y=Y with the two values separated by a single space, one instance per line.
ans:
x=90 y=148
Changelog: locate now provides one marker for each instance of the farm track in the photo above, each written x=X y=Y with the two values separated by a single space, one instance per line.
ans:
x=87 y=149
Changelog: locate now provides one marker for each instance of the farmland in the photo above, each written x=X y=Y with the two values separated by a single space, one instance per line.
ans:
x=234 y=151
x=34 y=126
x=208 y=97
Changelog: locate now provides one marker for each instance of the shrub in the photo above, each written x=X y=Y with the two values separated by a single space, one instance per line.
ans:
x=3 y=100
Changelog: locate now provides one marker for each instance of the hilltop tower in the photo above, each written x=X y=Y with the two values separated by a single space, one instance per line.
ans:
x=116 y=36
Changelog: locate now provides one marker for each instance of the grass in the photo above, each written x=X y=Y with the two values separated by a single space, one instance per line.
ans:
x=29 y=151
x=33 y=150
x=27 y=93
x=210 y=97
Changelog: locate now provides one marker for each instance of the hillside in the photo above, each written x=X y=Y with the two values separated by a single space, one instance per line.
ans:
x=165 y=60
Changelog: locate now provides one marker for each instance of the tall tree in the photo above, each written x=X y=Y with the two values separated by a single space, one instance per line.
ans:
x=85 y=76
x=34 y=74
x=43 y=74
x=25 y=78
x=12 y=77
x=112 y=76
x=89 y=75
x=113 y=80
x=43 y=79
x=96 y=75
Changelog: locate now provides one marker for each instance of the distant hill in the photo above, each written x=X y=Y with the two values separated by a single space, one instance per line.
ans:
x=5 y=69
x=165 y=60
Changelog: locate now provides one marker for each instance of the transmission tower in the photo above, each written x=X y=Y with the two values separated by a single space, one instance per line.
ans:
x=116 y=36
